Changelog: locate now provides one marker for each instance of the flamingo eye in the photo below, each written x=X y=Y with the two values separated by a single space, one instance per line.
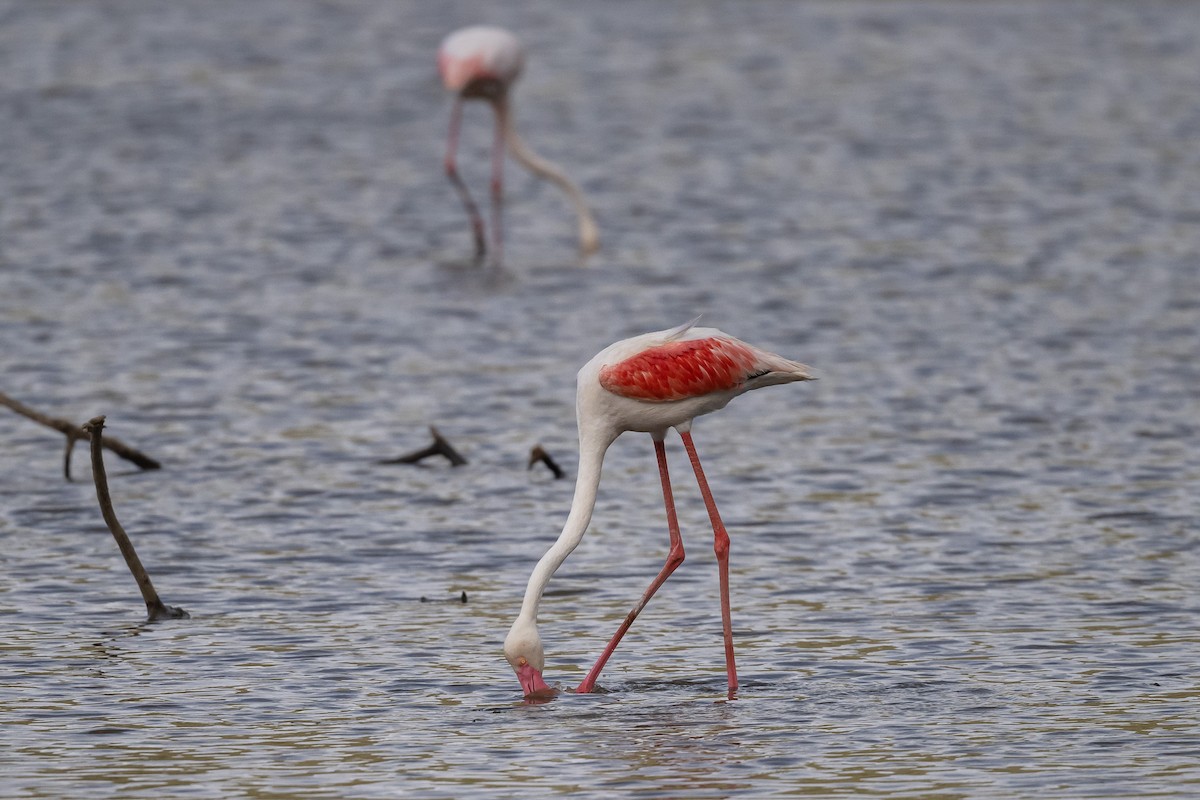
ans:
x=522 y=661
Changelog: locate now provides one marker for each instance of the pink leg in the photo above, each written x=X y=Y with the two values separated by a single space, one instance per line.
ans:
x=452 y=173
x=498 y=183
x=674 y=559
x=721 y=547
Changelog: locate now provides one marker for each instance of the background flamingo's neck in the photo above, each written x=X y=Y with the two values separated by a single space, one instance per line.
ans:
x=589 y=236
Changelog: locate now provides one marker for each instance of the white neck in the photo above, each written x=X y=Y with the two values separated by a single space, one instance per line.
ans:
x=592 y=447
x=589 y=237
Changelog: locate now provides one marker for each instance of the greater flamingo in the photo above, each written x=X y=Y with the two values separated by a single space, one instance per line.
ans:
x=481 y=63
x=648 y=383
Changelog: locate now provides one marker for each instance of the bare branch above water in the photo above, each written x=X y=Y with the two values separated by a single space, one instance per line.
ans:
x=155 y=608
x=440 y=447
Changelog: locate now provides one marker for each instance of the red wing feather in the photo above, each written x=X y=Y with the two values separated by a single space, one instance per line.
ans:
x=679 y=370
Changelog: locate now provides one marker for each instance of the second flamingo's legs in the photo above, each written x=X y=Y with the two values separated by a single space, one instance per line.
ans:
x=460 y=187
x=498 y=148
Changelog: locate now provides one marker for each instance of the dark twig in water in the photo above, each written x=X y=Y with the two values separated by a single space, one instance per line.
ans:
x=539 y=454
x=460 y=599
x=440 y=447
x=155 y=607
x=73 y=432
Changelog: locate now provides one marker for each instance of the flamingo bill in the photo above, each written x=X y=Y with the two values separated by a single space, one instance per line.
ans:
x=532 y=683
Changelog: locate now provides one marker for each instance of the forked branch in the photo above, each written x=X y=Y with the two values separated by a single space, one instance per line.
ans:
x=73 y=432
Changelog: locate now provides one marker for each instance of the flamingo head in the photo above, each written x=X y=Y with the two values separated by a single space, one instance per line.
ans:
x=480 y=61
x=523 y=650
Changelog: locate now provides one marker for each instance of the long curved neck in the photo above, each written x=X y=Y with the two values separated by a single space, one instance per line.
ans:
x=591 y=458
x=589 y=237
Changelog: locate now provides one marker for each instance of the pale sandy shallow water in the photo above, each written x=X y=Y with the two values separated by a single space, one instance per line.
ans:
x=964 y=562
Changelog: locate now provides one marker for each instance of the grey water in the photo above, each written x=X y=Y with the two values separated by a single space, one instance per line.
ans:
x=965 y=561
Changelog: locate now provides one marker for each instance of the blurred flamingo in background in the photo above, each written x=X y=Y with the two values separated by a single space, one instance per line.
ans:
x=648 y=383
x=481 y=63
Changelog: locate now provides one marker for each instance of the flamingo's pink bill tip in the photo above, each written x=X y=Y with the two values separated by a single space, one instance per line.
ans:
x=532 y=683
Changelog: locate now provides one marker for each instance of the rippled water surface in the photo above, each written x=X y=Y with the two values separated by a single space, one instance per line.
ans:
x=965 y=561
